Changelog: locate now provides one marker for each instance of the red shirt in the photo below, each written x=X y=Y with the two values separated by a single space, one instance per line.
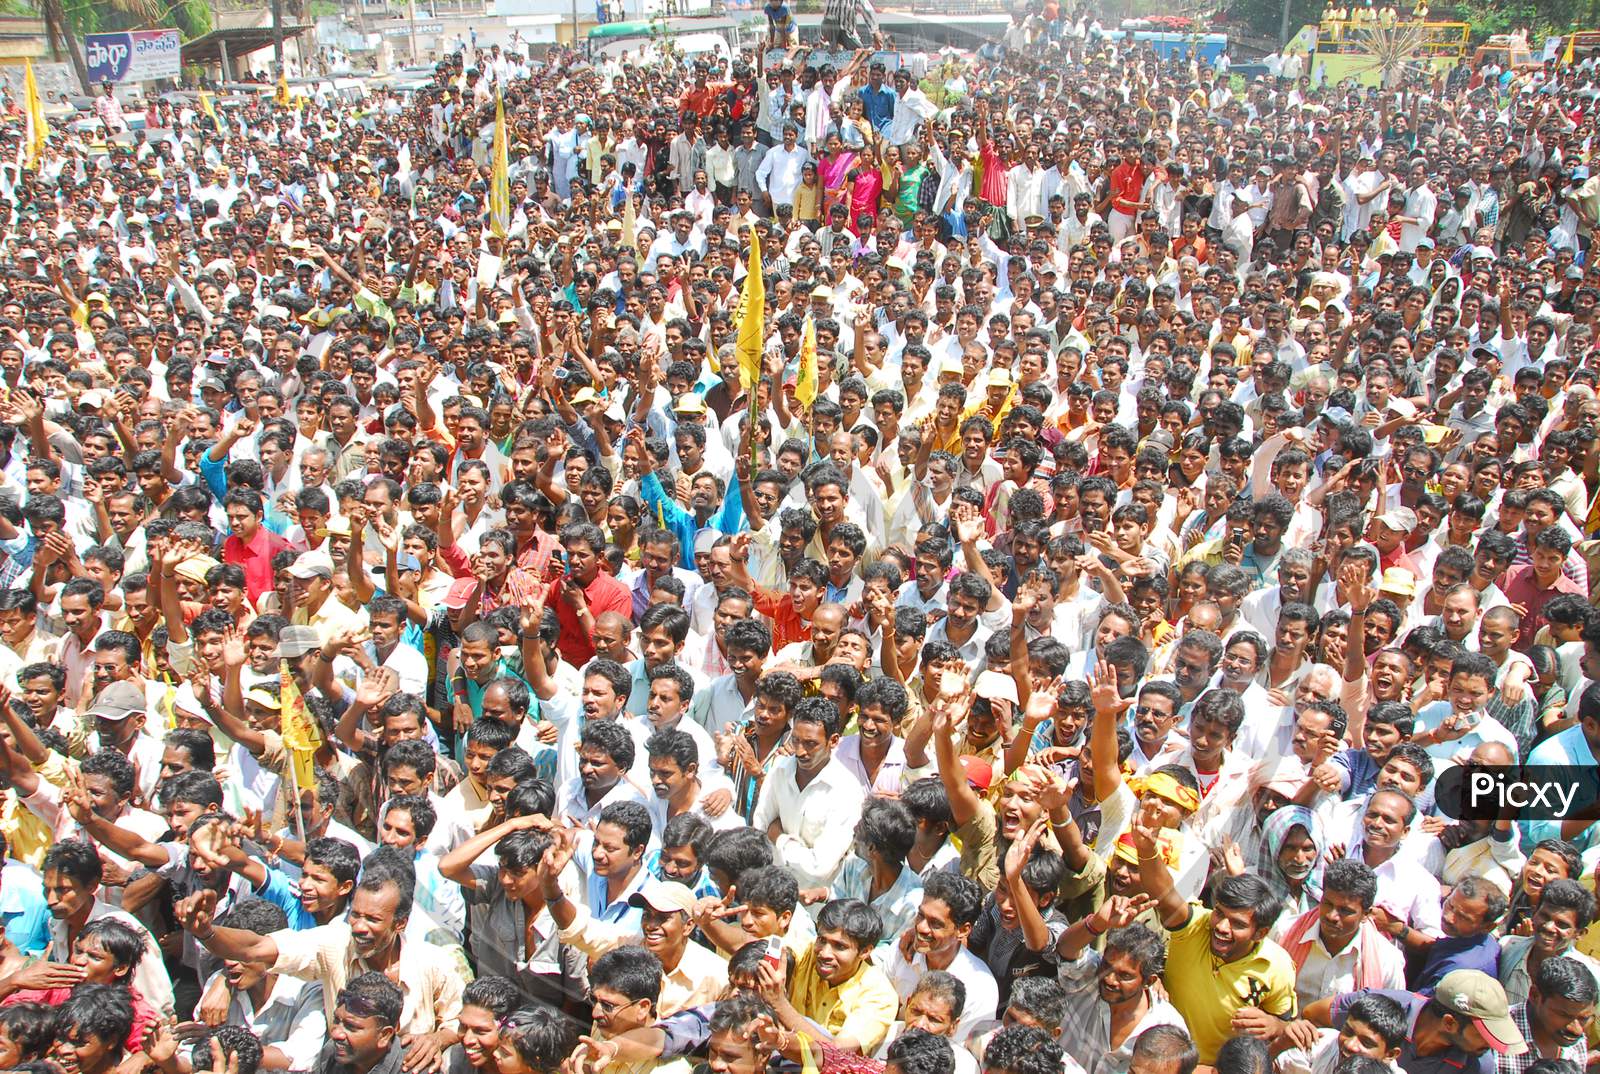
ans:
x=604 y=594
x=1127 y=182
x=255 y=556
x=787 y=626
x=1521 y=587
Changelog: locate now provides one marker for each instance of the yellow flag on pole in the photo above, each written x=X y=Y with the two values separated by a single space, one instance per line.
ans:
x=805 y=383
x=38 y=129
x=302 y=736
x=208 y=108
x=752 y=319
x=500 y=180
x=283 y=88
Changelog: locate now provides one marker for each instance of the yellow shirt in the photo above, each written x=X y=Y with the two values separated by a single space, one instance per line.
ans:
x=862 y=1008
x=331 y=618
x=1207 y=991
x=29 y=837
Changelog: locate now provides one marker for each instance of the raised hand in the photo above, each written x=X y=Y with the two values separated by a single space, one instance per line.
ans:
x=233 y=650
x=1019 y=852
x=1358 y=588
x=1104 y=691
x=1120 y=911
x=196 y=912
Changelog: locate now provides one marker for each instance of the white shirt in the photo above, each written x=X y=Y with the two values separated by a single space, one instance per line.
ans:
x=817 y=824
x=1420 y=205
x=779 y=173
x=1325 y=975
x=983 y=995
x=1407 y=891
x=291 y=1018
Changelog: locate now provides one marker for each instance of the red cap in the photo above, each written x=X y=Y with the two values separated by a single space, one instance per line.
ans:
x=979 y=772
x=460 y=590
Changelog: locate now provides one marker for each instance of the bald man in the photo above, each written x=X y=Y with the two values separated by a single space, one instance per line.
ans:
x=826 y=623
x=612 y=632
x=1490 y=847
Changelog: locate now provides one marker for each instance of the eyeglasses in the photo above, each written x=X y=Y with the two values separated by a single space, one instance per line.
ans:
x=608 y=1007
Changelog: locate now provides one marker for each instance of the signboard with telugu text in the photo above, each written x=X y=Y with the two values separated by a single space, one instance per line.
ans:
x=133 y=56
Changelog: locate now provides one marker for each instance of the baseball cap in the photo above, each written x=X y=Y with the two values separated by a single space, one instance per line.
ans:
x=297 y=641
x=663 y=896
x=460 y=590
x=313 y=564
x=118 y=701
x=1401 y=519
x=999 y=378
x=995 y=687
x=1337 y=416
x=979 y=773
x=1474 y=994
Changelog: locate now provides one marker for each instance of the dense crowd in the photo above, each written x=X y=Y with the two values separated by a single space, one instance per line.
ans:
x=918 y=562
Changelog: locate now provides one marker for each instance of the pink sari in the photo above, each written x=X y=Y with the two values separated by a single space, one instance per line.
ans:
x=834 y=173
x=864 y=191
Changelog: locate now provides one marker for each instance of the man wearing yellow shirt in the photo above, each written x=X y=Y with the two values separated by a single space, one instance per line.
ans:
x=1223 y=974
x=834 y=991
x=317 y=602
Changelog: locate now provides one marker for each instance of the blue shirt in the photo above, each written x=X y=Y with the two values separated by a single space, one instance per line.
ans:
x=23 y=908
x=879 y=104
x=1360 y=771
x=1570 y=749
x=1450 y=953
x=618 y=913
x=277 y=890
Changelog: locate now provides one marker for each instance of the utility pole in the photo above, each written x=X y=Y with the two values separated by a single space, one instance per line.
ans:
x=277 y=35
x=411 y=10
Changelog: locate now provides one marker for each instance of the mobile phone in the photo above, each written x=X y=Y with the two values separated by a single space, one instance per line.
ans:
x=774 y=952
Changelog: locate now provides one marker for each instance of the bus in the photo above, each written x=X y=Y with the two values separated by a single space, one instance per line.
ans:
x=686 y=34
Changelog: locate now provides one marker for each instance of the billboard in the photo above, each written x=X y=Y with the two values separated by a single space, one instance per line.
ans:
x=133 y=56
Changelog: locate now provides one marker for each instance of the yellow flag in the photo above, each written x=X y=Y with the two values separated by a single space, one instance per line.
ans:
x=302 y=736
x=752 y=319
x=805 y=383
x=500 y=180
x=283 y=88
x=33 y=108
x=208 y=108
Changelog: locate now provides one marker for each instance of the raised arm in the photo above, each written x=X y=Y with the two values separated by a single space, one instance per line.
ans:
x=1156 y=879
x=964 y=801
x=1109 y=705
x=457 y=865
x=1035 y=933
x=195 y=914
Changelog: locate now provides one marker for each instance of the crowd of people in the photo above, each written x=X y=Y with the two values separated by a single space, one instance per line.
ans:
x=1038 y=628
